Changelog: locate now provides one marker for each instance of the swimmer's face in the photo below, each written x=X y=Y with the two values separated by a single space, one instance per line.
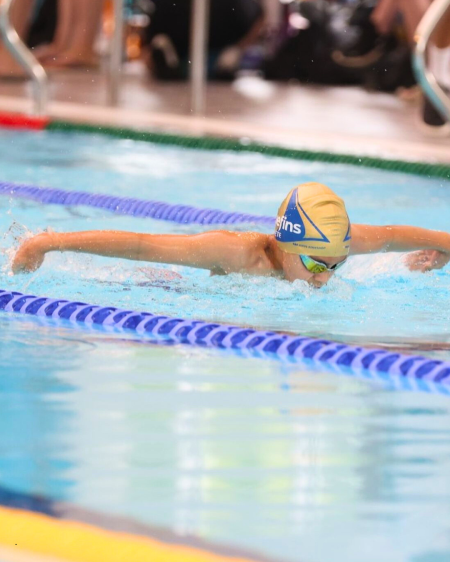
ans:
x=294 y=269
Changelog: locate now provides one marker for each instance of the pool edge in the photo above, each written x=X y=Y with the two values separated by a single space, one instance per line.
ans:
x=205 y=134
x=68 y=532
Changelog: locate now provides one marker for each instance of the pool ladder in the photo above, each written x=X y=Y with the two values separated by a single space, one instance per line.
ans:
x=25 y=58
x=198 y=55
x=424 y=76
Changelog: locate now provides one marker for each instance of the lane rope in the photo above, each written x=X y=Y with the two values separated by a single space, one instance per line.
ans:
x=224 y=336
x=182 y=214
x=428 y=169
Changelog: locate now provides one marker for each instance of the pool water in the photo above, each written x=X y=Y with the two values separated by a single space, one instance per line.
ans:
x=286 y=460
x=374 y=296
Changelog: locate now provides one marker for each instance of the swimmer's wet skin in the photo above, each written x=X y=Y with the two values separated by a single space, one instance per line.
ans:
x=313 y=238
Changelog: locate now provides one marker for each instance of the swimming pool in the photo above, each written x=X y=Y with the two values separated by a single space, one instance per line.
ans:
x=286 y=460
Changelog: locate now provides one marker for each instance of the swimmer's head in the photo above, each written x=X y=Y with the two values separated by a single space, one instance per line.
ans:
x=313 y=221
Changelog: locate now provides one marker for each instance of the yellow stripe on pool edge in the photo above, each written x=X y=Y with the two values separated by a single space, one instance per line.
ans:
x=80 y=542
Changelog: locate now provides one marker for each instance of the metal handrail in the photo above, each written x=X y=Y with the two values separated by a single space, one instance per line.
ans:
x=425 y=77
x=198 y=54
x=115 y=62
x=24 y=57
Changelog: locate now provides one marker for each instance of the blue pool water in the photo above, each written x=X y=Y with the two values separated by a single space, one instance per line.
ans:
x=287 y=460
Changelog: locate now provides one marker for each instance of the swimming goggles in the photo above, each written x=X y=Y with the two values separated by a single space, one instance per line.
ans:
x=314 y=266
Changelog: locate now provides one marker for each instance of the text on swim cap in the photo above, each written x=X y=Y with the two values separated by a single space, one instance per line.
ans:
x=283 y=224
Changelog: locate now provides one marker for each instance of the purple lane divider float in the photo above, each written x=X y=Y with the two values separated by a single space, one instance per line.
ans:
x=222 y=336
x=182 y=214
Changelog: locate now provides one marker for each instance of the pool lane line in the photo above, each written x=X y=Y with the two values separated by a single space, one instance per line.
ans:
x=435 y=170
x=428 y=169
x=181 y=214
x=22 y=121
x=44 y=518
x=386 y=380
x=225 y=336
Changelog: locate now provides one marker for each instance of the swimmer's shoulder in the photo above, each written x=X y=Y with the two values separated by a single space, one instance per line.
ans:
x=260 y=252
x=253 y=248
x=231 y=252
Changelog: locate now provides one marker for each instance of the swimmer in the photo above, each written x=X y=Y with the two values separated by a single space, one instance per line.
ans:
x=312 y=240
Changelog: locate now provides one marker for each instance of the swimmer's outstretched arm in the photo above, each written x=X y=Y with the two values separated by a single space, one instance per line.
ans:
x=219 y=251
x=433 y=245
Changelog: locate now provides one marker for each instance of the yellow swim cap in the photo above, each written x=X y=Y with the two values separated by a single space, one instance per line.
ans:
x=312 y=220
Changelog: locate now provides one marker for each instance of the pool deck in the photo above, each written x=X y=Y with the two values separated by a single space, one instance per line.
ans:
x=346 y=120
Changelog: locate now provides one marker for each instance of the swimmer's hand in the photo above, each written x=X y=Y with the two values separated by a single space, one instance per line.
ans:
x=31 y=253
x=426 y=260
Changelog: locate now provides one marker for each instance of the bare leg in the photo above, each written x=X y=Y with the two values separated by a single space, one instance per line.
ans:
x=66 y=22
x=441 y=37
x=79 y=50
x=383 y=16
x=412 y=12
x=20 y=19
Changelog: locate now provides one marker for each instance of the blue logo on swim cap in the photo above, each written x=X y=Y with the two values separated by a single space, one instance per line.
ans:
x=290 y=226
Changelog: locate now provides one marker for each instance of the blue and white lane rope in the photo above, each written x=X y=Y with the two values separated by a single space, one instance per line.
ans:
x=182 y=214
x=222 y=336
